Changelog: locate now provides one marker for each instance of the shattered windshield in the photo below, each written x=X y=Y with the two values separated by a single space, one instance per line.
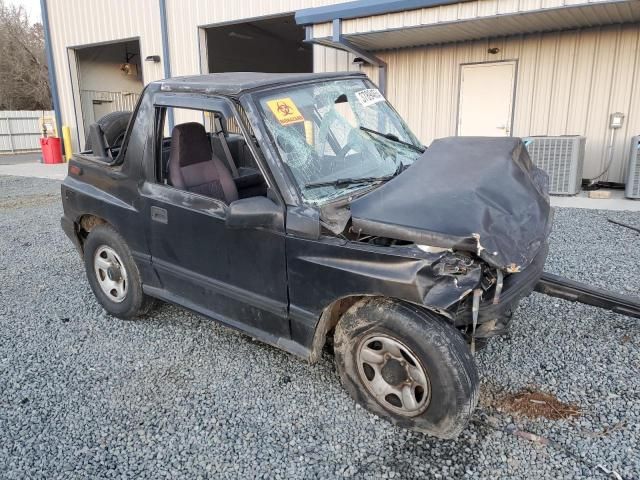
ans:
x=338 y=136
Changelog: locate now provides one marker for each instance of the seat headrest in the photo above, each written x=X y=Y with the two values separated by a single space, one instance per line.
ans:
x=190 y=143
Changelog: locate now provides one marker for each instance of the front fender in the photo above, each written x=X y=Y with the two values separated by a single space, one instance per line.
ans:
x=323 y=271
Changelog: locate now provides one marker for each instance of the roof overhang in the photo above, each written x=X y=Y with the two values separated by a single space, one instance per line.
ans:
x=363 y=8
x=392 y=25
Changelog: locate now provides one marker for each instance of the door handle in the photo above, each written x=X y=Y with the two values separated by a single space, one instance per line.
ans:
x=159 y=215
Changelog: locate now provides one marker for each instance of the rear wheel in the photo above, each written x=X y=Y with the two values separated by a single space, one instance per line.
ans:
x=113 y=275
x=407 y=365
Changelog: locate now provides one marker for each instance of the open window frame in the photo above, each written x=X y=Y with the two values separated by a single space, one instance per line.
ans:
x=215 y=105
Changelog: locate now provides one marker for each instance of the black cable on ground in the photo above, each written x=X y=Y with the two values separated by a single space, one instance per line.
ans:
x=587 y=185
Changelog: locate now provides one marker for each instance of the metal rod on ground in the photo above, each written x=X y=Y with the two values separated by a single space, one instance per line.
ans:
x=557 y=286
x=631 y=227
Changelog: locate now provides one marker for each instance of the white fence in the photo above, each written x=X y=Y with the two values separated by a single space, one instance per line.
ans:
x=20 y=130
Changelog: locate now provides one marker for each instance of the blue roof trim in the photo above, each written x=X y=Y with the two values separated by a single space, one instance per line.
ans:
x=363 y=8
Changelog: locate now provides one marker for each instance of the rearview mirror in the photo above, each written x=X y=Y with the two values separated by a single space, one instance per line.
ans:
x=254 y=212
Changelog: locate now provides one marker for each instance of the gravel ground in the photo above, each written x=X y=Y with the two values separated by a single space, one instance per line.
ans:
x=83 y=395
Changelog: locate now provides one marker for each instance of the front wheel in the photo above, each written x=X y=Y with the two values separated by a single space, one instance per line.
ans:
x=113 y=274
x=407 y=365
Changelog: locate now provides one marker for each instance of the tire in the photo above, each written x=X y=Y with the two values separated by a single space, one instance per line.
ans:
x=114 y=126
x=428 y=343
x=105 y=242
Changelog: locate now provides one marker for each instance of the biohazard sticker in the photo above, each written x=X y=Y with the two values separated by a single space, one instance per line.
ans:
x=369 y=96
x=285 y=111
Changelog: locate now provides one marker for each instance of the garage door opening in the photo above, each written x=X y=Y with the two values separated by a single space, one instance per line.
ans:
x=273 y=45
x=109 y=79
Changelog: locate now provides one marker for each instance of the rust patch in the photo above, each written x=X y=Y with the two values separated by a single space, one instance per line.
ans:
x=88 y=222
x=533 y=403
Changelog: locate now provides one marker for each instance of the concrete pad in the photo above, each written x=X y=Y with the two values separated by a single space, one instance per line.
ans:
x=56 y=171
x=16 y=158
x=616 y=201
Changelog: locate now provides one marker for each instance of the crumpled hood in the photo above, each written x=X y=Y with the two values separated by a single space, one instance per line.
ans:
x=477 y=194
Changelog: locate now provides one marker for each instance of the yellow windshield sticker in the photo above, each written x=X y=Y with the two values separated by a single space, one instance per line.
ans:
x=285 y=111
x=308 y=132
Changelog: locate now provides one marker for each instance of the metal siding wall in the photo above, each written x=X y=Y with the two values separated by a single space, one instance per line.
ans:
x=332 y=60
x=184 y=36
x=76 y=23
x=567 y=84
x=88 y=22
x=183 y=23
x=559 y=91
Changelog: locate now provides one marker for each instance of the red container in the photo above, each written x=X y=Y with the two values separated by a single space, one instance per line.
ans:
x=51 y=150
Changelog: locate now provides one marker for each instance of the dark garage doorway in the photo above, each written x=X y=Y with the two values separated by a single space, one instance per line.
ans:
x=263 y=45
x=109 y=79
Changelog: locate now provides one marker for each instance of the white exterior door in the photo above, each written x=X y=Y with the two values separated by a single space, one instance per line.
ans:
x=486 y=99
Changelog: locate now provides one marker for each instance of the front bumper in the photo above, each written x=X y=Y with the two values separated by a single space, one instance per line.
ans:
x=493 y=319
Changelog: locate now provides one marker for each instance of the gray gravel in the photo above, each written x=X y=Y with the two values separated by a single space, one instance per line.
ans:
x=83 y=395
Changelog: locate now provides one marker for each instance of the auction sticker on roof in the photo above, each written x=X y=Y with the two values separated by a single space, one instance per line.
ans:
x=285 y=111
x=369 y=96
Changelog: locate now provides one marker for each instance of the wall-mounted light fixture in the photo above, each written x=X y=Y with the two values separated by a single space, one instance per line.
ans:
x=153 y=58
x=129 y=69
x=493 y=50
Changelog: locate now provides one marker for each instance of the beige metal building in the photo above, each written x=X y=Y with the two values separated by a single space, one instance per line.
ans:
x=476 y=67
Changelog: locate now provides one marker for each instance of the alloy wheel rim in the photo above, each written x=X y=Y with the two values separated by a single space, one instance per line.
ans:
x=110 y=273
x=393 y=375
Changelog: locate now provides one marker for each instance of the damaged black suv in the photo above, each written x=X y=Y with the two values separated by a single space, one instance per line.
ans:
x=297 y=207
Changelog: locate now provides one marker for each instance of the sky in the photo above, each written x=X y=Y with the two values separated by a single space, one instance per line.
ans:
x=31 y=6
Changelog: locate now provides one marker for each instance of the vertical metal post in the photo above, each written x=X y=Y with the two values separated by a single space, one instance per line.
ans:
x=13 y=149
x=53 y=83
x=166 y=61
x=382 y=78
x=370 y=58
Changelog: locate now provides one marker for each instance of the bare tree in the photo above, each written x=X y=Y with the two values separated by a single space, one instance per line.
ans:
x=24 y=83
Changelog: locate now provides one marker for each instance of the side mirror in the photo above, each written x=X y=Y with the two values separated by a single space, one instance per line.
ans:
x=254 y=212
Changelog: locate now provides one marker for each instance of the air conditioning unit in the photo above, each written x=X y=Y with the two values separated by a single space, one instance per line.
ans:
x=633 y=175
x=562 y=158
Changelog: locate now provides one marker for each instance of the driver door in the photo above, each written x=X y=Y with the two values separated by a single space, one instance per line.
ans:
x=236 y=275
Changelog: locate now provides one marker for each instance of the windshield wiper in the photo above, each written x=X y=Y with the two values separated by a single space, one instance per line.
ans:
x=393 y=138
x=344 y=182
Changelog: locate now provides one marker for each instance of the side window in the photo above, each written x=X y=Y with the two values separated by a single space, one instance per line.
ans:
x=205 y=154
